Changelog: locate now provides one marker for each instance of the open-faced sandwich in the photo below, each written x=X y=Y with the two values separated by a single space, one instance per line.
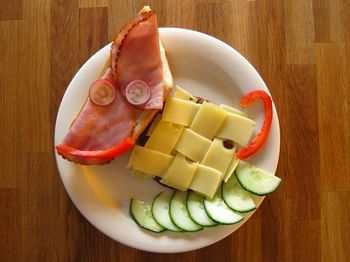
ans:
x=188 y=143
x=128 y=92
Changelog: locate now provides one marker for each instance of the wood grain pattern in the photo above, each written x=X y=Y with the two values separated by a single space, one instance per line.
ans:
x=329 y=20
x=300 y=32
x=334 y=144
x=300 y=48
x=93 y=3
x=11 y=10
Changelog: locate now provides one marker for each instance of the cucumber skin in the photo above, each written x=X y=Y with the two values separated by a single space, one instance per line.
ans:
x=214 y=225
x=242 y=212
x=131 y=214
x=254 y=193
x=220 y=223
x=180 y=229
x=183 y=230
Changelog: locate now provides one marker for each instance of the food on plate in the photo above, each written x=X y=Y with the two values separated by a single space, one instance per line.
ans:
x=160 y=211
x=196 y=210
x=218 y=211
x=261 y=137
x=201 y=147
x=236 y=197
x=142 y=214
x=127 y=94
x=195 y=144
x=180 y=211
x=256 y=180
x=185 y=142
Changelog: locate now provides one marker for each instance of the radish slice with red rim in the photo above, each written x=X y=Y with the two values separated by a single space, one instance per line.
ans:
x=137 y=92
x=102 y=92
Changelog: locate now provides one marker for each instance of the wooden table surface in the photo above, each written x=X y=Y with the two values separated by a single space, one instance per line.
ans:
x=301 y=48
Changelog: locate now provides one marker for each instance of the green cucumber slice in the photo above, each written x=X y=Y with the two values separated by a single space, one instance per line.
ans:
x=179 y=214
x=160 y=211
x=218 y=211
x=196 y=210
x=236 y=197
x=142 y=215
x=256 y=180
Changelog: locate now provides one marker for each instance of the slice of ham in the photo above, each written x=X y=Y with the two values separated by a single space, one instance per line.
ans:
x=135 y=55
x=102 y=127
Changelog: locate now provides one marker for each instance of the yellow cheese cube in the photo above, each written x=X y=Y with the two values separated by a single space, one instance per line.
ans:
x=231 y=168
x=218 y=156
x=179 y=111
x=192 y=145
x=233 y=110
x=180 y=173
x=149 y=161
x=208 y=120
x=237 y=128
x=183 y=94
x=206 y=181
x=164 y=137
x=155 y=122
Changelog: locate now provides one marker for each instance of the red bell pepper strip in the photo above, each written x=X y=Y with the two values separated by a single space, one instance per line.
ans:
x=108 y=153
x=261 y=137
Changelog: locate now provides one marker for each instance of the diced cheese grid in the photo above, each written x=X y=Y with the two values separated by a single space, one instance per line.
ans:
x=190 y=146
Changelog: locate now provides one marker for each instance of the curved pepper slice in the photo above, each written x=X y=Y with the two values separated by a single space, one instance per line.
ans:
x=109 y=153
x=261 y=137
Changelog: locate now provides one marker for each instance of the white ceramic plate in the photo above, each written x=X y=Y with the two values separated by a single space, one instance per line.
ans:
x=201 y=64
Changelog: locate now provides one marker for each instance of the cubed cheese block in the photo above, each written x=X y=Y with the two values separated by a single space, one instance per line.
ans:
x=218 y=156
x=183 y=94
x=208 y=120
x=149 y=161
x=231 y=168
x=180 y=173
x=192 y=145
x=164 y=137
x=206 y=181
x=155 y=122
x=233 y=110
x=179 y=111
x=237 y=128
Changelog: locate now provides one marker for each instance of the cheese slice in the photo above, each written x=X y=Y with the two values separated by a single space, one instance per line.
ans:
x=179 y=111
x=208 y=120
x=218 y=156
x=192 y=145
x=237 y=128
x=164 y=137
x=233 y=110
x=231 y=168
x=155 y=122
x=180 y=173
x=148 y=161
x=206 y=181
x=183 y=94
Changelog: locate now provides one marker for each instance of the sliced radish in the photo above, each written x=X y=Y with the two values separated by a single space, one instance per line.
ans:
x=102 y=92
x=137 y=92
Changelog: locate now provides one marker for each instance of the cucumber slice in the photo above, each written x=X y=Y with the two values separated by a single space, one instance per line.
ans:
x=218 y=211
x=256 y=180
x=142 y=215
x=160 y=211
x=195 y=208
x=236 y=197
x=179 y=214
